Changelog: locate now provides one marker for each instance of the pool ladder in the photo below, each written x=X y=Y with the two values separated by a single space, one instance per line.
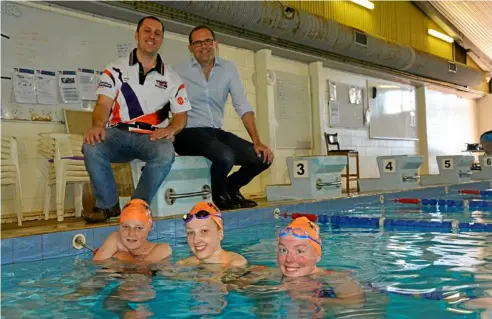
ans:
x=415 y=178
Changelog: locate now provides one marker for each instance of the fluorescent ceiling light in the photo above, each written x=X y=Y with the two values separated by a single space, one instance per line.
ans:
x=440 y=35
x=384 y=86
x=365 y=3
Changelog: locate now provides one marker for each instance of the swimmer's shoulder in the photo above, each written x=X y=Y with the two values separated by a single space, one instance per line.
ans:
x=192 y=260
x=333 y=273
x=236 y=260
x=110 y=247
x=159 y=252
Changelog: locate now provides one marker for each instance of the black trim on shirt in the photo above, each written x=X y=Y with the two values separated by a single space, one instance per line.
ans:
x=159 y=67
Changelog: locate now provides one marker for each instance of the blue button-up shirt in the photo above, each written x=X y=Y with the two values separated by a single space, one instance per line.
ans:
x=208 y=98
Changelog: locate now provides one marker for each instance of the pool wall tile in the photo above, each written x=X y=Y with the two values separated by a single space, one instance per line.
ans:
x=166 y=228
x=101 y=233
x=27 y=248
x=7 y=251
x=61 y=244
x=251 y=217
x=179 y=227
x=154 y=232
x=230 y=220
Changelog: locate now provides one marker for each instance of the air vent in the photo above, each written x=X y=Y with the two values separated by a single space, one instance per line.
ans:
x=452 y=67
x=360 y=38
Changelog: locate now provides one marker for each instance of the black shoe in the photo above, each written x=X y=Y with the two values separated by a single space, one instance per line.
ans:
x=239 y=198
x=224 y=202
x=99 y=215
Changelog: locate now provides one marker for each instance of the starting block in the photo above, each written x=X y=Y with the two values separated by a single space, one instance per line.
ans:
x=454 y=169
x=486 y=168
x=311 y=177
x=396 y=172
x=187 y=183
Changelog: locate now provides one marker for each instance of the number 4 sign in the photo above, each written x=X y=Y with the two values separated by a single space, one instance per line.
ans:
x=487 y=161
x=301 y=169
x=389 y=165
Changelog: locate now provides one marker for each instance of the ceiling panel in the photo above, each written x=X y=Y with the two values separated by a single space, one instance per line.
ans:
x=472 y=18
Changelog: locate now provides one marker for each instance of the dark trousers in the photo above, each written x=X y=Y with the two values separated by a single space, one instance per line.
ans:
x=224 y=150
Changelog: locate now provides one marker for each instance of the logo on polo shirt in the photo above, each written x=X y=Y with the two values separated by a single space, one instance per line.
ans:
x=105 y=84
x=161 y=84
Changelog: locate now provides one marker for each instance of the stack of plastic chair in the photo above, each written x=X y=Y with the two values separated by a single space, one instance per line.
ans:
x=11 y=173
x=66 y=166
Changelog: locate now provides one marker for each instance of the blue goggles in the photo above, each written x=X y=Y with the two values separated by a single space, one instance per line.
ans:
x=298 y=233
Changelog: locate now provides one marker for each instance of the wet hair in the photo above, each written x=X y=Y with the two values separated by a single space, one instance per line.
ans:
x=141 y=21
x=200 y=27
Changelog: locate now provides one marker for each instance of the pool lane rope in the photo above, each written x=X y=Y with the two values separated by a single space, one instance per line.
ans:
x=382 y=222
x=467 y=203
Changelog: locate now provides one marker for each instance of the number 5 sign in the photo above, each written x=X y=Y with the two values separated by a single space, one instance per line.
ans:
x=448 y=163
x=487 y=161
x=301 y=169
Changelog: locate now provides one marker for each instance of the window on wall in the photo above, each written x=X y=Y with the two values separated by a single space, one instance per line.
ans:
x=392 y=102
x=397 y=101
x=459 y=53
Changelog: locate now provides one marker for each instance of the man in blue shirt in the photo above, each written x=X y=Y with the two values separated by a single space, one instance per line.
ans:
x=209 y=80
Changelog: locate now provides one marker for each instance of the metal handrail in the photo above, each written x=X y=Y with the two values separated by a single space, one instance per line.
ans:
x=320 y=184
x=171 y=196
x=411 y=177
x=468 y=174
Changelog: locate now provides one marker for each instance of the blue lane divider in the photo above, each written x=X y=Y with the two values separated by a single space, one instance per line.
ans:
x=470 y=203
x=403 y=223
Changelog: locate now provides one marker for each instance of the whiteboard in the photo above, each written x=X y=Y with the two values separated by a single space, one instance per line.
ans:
x=48 y=38
x=292 y=111
x=393 y=113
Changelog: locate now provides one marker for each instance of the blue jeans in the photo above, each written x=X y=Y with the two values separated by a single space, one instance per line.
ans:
x=121 y=146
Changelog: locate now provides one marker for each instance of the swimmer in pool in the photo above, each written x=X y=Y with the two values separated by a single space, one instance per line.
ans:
x=204 y=233
x=130 y=242
x=299 y=250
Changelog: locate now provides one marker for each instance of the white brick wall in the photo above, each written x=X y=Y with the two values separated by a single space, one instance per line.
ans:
x=451 y=122
x=484 y=114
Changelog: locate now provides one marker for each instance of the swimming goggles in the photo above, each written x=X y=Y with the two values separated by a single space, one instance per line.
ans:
x=202 y=214
x=298 y=233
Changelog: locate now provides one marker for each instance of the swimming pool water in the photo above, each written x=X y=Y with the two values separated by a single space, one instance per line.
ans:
x=393 y=210
x=401 y=261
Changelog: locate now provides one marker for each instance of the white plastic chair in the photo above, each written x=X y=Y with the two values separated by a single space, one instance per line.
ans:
x=11 y=173
x=66 y=166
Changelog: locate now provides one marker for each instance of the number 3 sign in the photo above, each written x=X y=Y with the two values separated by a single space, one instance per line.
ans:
x=301 y=169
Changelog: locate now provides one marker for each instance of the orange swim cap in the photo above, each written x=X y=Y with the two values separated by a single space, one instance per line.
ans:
x=209 y=208
x=308 y=227
x=137 y=209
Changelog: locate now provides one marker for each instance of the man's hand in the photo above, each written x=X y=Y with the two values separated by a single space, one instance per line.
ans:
x=95 y=135
x=167 y=133
x=263 y=150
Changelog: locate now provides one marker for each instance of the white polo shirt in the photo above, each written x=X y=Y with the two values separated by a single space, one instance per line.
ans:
x=142 y=98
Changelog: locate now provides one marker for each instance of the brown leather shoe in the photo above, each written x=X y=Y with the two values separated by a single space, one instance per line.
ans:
x=98 y=215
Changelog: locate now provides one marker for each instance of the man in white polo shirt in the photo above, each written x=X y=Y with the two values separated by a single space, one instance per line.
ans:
x=135 y=95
